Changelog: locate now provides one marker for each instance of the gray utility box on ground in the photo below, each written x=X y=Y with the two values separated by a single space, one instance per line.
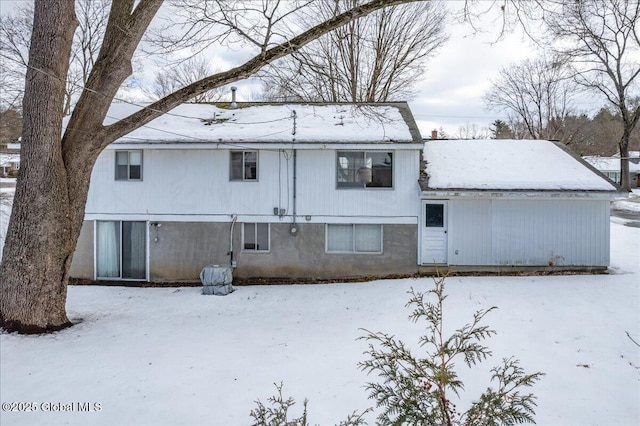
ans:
x=217 y=280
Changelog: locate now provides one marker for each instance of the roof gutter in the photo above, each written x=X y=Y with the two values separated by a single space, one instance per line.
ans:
x=531 y=194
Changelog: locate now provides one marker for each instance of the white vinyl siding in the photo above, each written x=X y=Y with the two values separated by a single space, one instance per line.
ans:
x=529 y=232
x=203 y=191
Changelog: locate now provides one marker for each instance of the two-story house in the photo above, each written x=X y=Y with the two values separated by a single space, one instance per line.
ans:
x=277 y=190
x=324 y=191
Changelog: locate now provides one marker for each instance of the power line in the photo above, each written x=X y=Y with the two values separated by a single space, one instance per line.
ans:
x=200 y=119
x=231 y=144
x=141 y=105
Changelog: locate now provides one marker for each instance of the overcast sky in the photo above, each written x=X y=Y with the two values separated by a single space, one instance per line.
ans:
x=449 y=94
x=458 y=76
x=450 y=91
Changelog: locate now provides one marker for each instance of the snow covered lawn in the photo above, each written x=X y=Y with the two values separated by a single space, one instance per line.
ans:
x=172 y=356
x=630 y=204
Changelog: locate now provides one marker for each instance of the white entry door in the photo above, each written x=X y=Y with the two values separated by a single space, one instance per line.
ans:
x=434 y=232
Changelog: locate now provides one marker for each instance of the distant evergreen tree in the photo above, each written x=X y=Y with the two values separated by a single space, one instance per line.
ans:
x=500 y=130
x=277 y=414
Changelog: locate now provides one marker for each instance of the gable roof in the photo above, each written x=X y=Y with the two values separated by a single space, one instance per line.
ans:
x=379 y=123
x=509 y=165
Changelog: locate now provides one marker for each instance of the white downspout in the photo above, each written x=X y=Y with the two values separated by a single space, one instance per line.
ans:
x=234 y=217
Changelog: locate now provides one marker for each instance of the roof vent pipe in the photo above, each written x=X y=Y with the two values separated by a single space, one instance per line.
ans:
x=234 y=104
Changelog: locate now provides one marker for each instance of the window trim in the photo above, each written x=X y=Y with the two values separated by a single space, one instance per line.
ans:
x=364 y=153
x=245 y=250
x=244 y=153
x=353 y=240
x=128 y=178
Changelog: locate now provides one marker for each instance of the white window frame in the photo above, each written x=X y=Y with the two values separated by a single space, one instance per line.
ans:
x=255 y=236
x=354 y=185
x=353 y=239
x=128 y=152
x=244 y=159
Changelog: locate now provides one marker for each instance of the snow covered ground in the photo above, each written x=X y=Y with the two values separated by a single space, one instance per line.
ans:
x=165 y=356
x=7 y=191
x=629 y=204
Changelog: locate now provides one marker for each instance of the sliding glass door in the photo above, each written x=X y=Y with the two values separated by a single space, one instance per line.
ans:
x=121 y=250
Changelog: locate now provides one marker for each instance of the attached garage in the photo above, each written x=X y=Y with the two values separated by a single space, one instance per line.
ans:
x=508 y=204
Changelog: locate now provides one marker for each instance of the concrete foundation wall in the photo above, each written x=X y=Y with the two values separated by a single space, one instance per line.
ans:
x=179 y=250
x=184 y=248
x=304 y=256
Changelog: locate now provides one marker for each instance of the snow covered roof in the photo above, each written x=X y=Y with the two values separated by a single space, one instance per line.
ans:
x=275 y=122
x=7 y=159
x=610 y=164
x=507 y=165
x=632 y=154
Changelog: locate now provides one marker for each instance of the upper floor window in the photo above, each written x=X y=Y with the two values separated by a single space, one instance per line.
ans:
x=129 y=165
x=359 y=169
x=244 y=165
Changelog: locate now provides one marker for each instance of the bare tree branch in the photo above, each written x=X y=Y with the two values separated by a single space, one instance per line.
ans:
x=15 y=31
x=177 y=76
x=165 y=104
x=376 y=58
x=538 y=92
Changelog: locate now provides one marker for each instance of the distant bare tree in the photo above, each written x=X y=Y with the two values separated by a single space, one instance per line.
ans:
x=184 y=73
x=472 y=131
x=10 y=125
x=92 y=18
x=15 y=38
x=602 y=39
x=377 y=58
x=537 y=93
x=197 y=25
x=605 y=130
x=15 y=32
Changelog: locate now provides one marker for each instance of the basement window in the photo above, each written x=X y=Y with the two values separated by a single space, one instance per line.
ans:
x=354 y=238
x=255 y=237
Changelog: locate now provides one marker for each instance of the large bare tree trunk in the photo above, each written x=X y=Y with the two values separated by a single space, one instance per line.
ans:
x=54 y=182
x=40 y=241
x=54 y=178
x=625 y=182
